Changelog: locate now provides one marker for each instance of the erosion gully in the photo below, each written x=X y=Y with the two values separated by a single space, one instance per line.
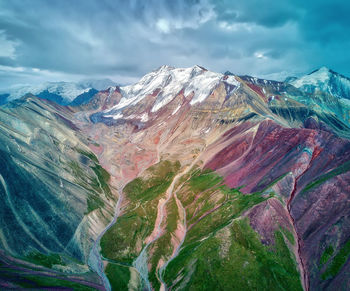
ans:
x=303 y=270
x=177 y=250
x=140 y=263
x=95 y=258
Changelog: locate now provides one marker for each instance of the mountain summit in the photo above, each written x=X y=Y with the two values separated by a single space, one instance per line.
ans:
x=324 y=80
x=165 y=83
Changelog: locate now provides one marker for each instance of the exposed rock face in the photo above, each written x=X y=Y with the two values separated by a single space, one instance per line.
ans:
x=214 y=168
x=52 y=194
x=84 y=98
x=103 y=100
x=321 y=213
x=268 y=215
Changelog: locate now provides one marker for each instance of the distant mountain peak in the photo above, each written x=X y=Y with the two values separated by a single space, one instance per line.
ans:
x=321 y=69
x=61 y=92
x=165 y=67
x=290 y=79
x=169 y=68
x=326 y=70
x=228 y=73
x=98 y=84
x=165 y=83
x=200 y=67
x=324 y=80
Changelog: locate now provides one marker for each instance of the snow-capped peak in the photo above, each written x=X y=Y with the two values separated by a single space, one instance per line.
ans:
x=324 y=80
x=166 y=82
x=314 y=78
x=67 y=90
x=163 y=68
x=322 y=69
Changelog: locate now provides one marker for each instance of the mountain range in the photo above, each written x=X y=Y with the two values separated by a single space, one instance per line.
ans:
x=186 y=180
x=63 y=93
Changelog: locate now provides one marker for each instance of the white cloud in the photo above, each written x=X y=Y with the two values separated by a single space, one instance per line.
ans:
x=11 y=69
x=260 y=55
x=16 y=76
x=163 y=25
x=7 y=46
x=196 y=16
x=236 y=26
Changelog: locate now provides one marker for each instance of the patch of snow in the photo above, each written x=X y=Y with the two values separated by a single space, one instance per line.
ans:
x=202 y=86
x=144 y=117
x=116 y=116
x=320 y=76
x=111 y=91
x=232 y=81
x=176 y=109
x=131 y=116
x=124 y=102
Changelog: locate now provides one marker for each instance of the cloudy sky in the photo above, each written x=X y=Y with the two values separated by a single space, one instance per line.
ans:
x=70 y=40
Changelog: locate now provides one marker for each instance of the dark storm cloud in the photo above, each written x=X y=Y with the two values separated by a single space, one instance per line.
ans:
x=268 y=13
x=126 y=39
x=322 y=30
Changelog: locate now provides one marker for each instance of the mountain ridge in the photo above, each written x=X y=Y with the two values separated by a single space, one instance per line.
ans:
x=62 y=92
